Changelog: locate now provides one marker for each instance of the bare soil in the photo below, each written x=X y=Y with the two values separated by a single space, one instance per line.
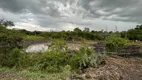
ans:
x=116 y=68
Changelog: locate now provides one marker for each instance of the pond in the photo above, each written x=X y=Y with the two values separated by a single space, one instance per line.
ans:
x=35 y=48
x=42 y=47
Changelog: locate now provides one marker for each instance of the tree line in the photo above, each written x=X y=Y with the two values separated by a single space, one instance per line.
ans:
x=76 y=34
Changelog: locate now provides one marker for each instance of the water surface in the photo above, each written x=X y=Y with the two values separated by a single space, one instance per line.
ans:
x=37 y=48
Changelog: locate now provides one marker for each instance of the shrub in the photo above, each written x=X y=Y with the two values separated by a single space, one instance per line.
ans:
x=28 y=61
x=33 y=37
x=14 y=57
x=53 y=61
x=113 y=42
x=55 y=58
x=84 y=58
x=58 y=44
x=9 y=40
x=10 y=59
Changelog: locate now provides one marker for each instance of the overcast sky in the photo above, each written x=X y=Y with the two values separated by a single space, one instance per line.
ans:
x=46 y=15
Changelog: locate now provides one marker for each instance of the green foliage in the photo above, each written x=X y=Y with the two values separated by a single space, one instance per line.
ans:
x=14 y=57
x=75 y=35
x=32 y=74
x=58 y=44
x=49 y=76
x=33 y=37
x=124 y=34
x=4 y=69
x=17 y=58
x=84 y=58
x=28 y=61
x=113 y=42
x=55 y=58
x=62 y=75
x=9 y=40
x=4 y=23
x=77 y=30
x=53 y=61
x=86 y=30
x=135 y=34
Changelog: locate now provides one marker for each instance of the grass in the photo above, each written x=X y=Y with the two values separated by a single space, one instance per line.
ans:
x=5 y=69
x=33 y=37
x=32 y=74
x=40 y=75
x=49 y=76
x=135 y=43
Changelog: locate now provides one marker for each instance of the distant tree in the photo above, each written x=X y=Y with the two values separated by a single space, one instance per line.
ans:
x=77 y=30
x=135 y=34
x=86 y=30
x=92 y=31
x=4 y=23
x=124 y=34
x=138 y=27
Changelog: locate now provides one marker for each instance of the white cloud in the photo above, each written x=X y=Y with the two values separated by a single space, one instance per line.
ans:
x=30 y=27
x=102 y=12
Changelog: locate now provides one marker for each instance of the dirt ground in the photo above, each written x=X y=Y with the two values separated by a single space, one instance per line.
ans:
x=116 y=68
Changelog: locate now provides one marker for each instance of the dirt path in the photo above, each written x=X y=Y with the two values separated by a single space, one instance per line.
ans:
x=117 y=68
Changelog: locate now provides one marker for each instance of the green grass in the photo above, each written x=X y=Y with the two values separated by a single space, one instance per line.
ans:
x=32 y=37
x=32 y=74
x=48 y=76
x=135 y=43
x=4 y=69
x=39 y=75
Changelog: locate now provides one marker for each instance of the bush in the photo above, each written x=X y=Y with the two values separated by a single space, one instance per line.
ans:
x=55 y=58
x=14 y=57
x=33 y=37
x=114 y=42
x=29 y=61
x=57 y=44
x=84 y=58
x=53 y=61
x=8 y=58
x=10 y=42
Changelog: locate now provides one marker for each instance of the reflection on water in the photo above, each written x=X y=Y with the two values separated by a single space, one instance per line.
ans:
x=36 y=48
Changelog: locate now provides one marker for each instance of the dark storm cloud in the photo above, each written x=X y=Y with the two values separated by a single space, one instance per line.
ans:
x=127 y=8
x=52 y=12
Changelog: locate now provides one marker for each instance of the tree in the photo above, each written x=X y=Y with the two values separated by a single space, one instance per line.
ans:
x=9 y=40
x=77 y=30
x=135 y=34
x=4 y=23
x=86 y=30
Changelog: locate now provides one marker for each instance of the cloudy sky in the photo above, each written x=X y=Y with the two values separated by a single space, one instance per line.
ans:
x=46 y=15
